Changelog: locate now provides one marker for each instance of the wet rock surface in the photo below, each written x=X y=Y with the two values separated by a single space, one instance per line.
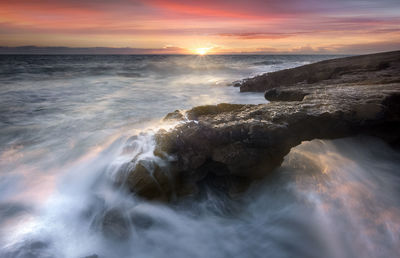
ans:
x=227 y=146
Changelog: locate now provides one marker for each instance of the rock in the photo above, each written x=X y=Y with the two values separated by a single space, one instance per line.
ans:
x=230 y=185
x=176 y=115
x=236 y=83
x=226 y=146
x=365 y=69
x=284 y=95
x=149 y=181
x=141 y=220
x=195 y=112
x=115 y=225
x=141 y=182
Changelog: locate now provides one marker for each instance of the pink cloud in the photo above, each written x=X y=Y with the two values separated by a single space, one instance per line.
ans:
x=237 y=22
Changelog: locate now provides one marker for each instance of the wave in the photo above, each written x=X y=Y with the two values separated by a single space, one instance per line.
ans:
x=269 y=62
x=325 y=194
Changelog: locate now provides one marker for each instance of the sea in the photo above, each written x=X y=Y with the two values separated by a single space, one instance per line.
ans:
x=69 y=123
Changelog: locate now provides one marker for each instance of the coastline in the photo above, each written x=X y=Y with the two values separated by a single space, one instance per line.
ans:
x=231 y=145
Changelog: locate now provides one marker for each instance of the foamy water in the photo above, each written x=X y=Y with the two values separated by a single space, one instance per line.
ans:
x=70 y=125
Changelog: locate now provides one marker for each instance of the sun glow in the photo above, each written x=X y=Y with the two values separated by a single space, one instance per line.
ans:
x=202 y=51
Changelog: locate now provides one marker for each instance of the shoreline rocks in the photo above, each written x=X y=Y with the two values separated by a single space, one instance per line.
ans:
x=227 y=146
x=365 y=69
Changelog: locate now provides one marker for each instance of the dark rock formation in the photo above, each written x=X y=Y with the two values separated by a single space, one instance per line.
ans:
x=229 y=145
x=284 y=95
x=366 y=69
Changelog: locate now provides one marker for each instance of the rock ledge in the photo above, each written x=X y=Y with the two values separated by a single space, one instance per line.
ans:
x=227 y=146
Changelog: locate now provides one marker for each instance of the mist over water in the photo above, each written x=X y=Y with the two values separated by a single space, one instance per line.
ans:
x=71 y=125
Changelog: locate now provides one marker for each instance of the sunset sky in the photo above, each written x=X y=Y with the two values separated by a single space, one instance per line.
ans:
x=219 y=27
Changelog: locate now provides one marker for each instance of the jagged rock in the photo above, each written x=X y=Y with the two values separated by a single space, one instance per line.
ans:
x=227 y=146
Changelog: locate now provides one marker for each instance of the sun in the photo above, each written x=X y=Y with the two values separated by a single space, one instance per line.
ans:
x=201 y=51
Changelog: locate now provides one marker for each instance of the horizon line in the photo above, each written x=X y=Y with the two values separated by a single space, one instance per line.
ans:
x=52 y=50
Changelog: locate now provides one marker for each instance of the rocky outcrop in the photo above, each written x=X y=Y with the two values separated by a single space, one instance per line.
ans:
x=227 y=146
x=150 y=181
x=366 y=69
x=285 y=95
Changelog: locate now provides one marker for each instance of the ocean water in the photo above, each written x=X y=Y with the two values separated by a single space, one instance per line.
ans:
x=66 y=127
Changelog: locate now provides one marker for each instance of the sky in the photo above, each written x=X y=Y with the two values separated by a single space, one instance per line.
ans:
x=205 y=26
